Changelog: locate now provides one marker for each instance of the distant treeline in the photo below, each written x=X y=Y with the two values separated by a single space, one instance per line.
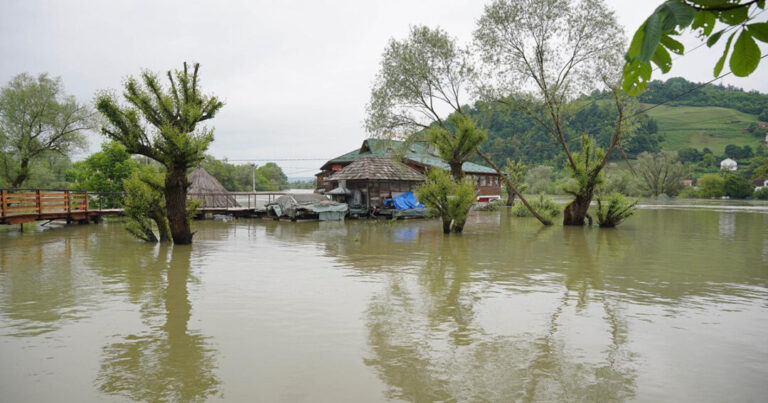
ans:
x=515 y=135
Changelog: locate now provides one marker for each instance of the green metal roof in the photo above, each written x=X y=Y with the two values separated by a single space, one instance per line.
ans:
x=417 y=152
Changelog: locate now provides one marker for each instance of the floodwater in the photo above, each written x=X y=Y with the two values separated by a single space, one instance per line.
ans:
x=670 y=306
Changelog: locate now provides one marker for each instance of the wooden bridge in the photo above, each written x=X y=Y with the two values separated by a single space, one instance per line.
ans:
x=19 y=206
x=26 y=205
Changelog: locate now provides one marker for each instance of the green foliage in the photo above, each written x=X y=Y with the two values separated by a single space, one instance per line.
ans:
x=175 y=139
x=711 y=185
x=763 y=117
x=613 y=209
x=654 y=40
x=457 y=142
x=736 y=186
x=758 y=168
x=418 y=78
x=447 y=199
x=544 y=205
x=37 y=119
x=761 y=194
x=587 y=169
x=144 y=205
x=661 y=173
x=103 y=171
x=539 y=179
x=515 y=173
x=274 y=176
x=240 y=178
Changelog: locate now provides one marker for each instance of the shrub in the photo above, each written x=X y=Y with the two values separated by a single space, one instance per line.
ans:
x=762 y=194
x=711 y=185
x=736 y=186
x=447 y=199
x=613 y=209
x=544 y=205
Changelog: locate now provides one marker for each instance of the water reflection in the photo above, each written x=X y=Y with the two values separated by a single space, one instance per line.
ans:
x=436 y=348
x=168 y=361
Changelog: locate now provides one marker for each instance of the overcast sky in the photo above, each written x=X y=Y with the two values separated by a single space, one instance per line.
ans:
x=295 y=76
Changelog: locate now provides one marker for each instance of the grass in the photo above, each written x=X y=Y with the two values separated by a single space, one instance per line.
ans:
x=702 y=126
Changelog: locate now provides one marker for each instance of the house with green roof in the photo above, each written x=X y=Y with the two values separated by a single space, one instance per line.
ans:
x=417 y=155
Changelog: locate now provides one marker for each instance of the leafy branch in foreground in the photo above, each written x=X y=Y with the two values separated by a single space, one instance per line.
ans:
x=655 y=40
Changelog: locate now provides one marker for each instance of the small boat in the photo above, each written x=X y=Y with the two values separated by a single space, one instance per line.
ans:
x=307 y=206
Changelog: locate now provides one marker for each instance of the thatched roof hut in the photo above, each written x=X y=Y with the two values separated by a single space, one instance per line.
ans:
x=206 y=189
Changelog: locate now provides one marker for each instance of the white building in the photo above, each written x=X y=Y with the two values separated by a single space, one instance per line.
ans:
x=728 y=164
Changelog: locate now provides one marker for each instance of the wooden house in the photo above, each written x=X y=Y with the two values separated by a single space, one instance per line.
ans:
x=371 y=180
x=418 y=155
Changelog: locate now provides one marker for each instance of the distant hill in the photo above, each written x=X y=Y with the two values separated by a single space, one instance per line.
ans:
x=712 y=116
x=702 y=126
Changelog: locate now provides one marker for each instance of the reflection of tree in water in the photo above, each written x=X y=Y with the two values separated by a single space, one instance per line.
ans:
x=169 y=362
x=427 y=342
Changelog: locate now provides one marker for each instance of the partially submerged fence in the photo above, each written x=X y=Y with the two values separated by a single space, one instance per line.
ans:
x=23 y=205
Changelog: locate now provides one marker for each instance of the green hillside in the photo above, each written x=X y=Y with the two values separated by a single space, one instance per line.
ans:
x=702 y=126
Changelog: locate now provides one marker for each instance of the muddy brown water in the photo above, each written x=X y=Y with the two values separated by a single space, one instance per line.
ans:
x=670 y=306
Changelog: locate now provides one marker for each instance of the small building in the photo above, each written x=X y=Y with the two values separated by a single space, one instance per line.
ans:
x=204 y=188
x=418 y=155
x=728 y=165
x=760 y=183
x=687 y=182
x=367 y=182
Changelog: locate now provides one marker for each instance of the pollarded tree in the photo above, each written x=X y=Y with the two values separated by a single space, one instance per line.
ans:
x=458 y=146
x=37 y=118
x=542 y=54
x=175 y=140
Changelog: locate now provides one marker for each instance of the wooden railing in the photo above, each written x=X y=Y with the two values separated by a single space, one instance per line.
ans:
x=39 y=202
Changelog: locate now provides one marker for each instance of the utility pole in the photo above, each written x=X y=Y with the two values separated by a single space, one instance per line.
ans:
x=253 y=177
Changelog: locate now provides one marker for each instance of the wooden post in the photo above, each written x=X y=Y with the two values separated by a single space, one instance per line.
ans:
x=3 y=196
x=38 y=202
x=85 y=195
x=67 y=202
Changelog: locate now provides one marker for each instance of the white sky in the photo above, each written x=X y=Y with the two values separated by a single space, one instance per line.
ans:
x=295 y=76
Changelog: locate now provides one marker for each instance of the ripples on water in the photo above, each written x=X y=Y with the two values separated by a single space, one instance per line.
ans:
x=672 y=305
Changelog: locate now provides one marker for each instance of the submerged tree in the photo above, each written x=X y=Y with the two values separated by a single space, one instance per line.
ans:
x=37 y=118
x=613 y=209
x=175 y=141
x=421 y=81
x=448 y=199
x=515 y=173
x=144 y=206
x=540 y=55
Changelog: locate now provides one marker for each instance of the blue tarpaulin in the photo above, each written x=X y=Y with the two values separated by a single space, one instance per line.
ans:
x=405 y=201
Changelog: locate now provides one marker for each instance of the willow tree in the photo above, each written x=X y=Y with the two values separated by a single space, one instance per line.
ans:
x=541 y=55
x=459 y=145
x=163 y=124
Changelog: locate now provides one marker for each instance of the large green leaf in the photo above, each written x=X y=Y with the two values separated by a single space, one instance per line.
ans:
x=673 y=45
x=683 y=13
x=662 y=59
x=745 y=56
x=759 y=31
x=704 y=20
x=636 y=77
x=715 y=37
x=636 y=45
x=720 y=63
x=652 y=36
x=734 y=16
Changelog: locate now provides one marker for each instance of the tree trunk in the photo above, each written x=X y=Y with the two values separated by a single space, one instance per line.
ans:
x=446 y=225
x=576 y=211
x=176 y=206
x=510 y=197
x=162 y=226
x=23 y=174
x=456 y=171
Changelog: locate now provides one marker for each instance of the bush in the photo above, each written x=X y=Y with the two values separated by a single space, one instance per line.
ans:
x=711 y=185
x=539 y=179
x=613 y=209
x=762 y=194
x=447 y=199
x=544 y=205
x=736 y=186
